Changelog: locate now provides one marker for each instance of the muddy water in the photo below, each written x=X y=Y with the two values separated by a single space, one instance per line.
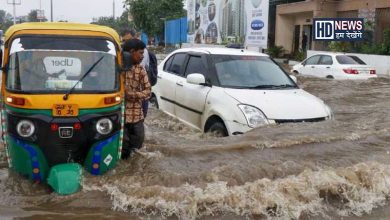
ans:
x=328 y=170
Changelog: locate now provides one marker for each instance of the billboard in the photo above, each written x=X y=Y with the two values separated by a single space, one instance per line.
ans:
x=228 y=21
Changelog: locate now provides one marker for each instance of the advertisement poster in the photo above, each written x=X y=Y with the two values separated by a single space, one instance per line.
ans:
x=228 y=21
x=203 y=21
x=257 y=23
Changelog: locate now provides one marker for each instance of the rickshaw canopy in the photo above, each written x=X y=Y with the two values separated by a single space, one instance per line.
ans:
x=61 y=28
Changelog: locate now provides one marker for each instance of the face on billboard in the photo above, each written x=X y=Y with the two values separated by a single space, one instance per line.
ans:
x=256 y=3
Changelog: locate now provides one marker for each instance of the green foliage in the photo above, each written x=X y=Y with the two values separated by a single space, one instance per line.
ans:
x=376 y=48
x=300 y=55
x=340 y=46
x=33 y=16
x=117 y=24
x=150 y=15
x=276 y=51
x=5 y=20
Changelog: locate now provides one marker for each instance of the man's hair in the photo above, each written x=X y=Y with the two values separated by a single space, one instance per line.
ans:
x=134 y=44
x=124 y=32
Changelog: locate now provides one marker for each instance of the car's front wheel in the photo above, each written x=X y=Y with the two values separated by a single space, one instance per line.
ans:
x=218 y=129
x=153 y=101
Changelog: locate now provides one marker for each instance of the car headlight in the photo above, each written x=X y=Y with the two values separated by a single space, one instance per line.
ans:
x=254 y=116
x=329 y=111
x=25 y=128
x=104 y=126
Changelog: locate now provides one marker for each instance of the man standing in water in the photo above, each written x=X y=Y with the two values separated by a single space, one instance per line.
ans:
x=129 y=34
x=137 y=90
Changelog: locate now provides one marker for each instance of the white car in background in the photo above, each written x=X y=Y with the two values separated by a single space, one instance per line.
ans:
x=231 y=91
x=335 y=66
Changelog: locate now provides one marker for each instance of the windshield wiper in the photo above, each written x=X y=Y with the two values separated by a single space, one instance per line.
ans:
x=284 y=86
x=261 y=87
x=66 y=96
x=272 y=86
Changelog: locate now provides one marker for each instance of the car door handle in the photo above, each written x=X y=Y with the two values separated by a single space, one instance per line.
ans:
x=313 y=67
x=159 y=77
x=179 y=84
x=328 y=67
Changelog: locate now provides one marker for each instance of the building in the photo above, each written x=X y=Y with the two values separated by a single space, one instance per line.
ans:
x=293 y=20
x=233 y=20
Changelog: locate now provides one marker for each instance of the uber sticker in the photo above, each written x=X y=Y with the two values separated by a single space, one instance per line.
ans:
x=108 y=159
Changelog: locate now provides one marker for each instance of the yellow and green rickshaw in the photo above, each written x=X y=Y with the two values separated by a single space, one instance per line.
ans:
x=62 y=96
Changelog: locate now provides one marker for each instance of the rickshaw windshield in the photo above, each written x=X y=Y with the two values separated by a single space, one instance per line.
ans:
x=55 y=65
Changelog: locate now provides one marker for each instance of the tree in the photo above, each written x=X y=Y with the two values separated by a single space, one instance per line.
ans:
x=33 y=16
x=5 y=20
x=149 y=15
x=118 y=24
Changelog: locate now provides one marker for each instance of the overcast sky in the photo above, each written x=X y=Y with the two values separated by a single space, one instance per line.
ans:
x=72 y=10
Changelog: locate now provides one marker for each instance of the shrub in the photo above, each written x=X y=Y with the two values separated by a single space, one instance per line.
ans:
x=275 y=51
x=300 y=55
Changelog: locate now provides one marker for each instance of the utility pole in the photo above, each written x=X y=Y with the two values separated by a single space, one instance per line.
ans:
x=14 y=3
x=113 y=9
x=51 y=10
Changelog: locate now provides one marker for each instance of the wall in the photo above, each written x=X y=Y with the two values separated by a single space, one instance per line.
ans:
x=381 y=63
x=176 y=31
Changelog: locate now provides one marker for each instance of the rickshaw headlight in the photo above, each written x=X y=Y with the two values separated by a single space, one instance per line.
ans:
x=25 y=128
x=104 y=126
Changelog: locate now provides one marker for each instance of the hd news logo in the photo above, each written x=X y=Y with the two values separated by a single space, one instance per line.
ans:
x=338 y=29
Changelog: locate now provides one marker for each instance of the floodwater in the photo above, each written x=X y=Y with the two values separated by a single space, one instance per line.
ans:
x=337 y=169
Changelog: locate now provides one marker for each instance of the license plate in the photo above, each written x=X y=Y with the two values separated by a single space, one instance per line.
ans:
x=65 y=110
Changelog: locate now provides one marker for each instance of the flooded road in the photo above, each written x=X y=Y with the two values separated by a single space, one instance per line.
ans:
x=329 y=170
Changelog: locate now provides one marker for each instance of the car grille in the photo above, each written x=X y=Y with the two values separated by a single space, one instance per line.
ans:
x=281 y=121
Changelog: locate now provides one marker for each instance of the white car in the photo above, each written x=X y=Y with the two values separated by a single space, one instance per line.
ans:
x=335 y=66
x=231 y=91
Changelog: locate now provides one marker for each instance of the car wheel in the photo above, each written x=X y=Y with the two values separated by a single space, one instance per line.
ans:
x=329 y=77
x=218 y=129
x=153 y=101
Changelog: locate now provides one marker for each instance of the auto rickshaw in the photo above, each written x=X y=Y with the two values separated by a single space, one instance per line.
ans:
x=63 y=101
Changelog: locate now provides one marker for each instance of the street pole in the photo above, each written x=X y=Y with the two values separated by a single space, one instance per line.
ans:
x=51 y=10
x=113 y=9
x=13 y=2
x=40 y=9
x=165 y=32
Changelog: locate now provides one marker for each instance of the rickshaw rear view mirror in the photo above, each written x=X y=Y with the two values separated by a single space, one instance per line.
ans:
x=126 y=56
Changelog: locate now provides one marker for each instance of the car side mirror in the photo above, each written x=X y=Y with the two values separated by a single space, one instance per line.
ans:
x=126 y=61
x=304 y=64
x=294 y=78
x=196 y=79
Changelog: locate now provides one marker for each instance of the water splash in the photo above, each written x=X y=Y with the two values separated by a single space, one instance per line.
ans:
x=353 y=190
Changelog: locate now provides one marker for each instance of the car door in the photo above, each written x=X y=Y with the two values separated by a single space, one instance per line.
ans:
x=324 y=67
x=191 y=98
x=310 y=65
x=172 y=71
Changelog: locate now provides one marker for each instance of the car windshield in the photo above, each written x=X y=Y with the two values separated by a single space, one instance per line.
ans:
x=254 y=72
x=51 y=68
x=344 y=59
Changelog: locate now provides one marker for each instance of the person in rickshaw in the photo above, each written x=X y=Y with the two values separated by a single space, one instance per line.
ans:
x=34 y=74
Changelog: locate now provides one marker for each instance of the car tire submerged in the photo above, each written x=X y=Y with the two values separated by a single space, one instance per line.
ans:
x=218 y=129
